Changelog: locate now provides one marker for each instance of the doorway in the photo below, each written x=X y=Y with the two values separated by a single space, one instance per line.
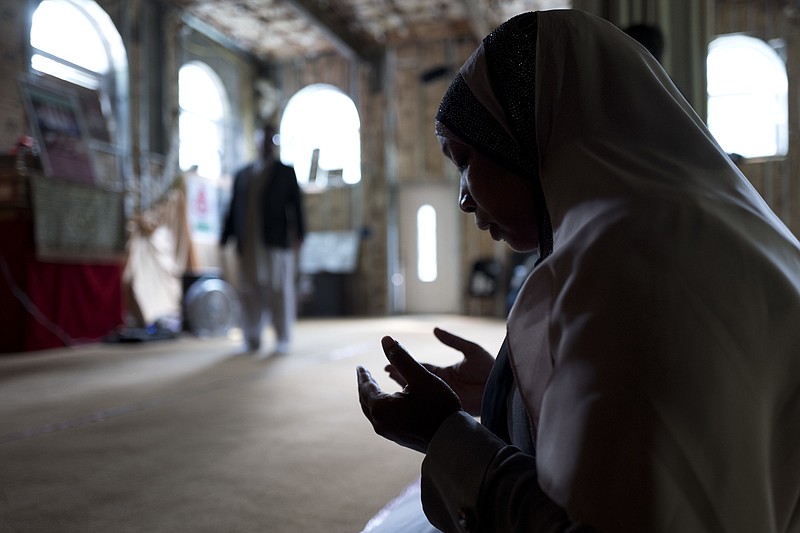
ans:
x=429 y=248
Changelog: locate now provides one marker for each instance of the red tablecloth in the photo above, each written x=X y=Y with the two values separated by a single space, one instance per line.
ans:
x=77 y=302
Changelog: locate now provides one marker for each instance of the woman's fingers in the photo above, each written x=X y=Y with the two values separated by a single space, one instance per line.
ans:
x=446 y=337
x=368 y=389
x=454 y=341
x=395 y=375
x=400 y=380
x=410 y=370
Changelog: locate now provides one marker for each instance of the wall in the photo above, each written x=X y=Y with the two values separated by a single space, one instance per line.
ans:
x=235 y=72
x=346 y=208
x=686 y=26
x=14 y=36
x=777 y=178
x=399 y=150
x=419 y=157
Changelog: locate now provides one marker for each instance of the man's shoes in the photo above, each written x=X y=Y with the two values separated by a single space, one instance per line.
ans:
x=282 y=348
x=253 y=345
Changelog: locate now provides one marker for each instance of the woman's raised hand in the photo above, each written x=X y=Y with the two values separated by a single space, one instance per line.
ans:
x=467 y=377
x=409 y=417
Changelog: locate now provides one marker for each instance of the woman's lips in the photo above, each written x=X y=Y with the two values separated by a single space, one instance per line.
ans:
x=491 y=228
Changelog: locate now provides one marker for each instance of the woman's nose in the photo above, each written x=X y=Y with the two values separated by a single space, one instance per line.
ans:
x=466 y=203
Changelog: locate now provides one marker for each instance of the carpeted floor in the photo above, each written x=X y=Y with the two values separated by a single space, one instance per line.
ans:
x=189 y=435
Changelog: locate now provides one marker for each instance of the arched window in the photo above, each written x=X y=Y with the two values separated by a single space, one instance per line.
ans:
x=76 y=41
x=320 y=136
x=747 y=97
x=203 y=108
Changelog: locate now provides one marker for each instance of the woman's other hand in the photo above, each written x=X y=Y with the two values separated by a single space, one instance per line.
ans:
x=409 y=417
x=467 y=377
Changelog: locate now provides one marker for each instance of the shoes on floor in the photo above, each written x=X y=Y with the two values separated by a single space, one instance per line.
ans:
x=253 y=345
x=282 y=348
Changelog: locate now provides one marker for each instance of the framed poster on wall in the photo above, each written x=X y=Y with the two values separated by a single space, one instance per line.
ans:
x=58 y=125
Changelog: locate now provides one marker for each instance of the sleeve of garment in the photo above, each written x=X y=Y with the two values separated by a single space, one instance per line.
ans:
x=473 y=482
x=227 y=224
x=300 y=215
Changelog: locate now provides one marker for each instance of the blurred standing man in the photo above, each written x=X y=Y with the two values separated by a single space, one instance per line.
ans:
x=266 y=219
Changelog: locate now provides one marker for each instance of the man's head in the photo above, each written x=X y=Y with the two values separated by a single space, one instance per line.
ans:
x=265 y=140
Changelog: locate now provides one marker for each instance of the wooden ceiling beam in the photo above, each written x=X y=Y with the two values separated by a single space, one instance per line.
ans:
x=345 y=42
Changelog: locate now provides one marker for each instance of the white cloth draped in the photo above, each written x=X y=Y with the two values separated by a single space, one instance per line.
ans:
x=657 y=348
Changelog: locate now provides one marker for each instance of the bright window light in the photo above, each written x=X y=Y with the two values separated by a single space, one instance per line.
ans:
x=200 y=91
x=747 y=97
x=202 y=98
x=64 y=72
x=76 y=41
x=426 y=244
x=321 y=117
x=65 y=31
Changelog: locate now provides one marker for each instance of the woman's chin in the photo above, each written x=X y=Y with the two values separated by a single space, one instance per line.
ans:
x=521 y=247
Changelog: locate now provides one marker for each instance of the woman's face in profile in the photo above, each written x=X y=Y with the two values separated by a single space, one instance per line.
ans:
x=502 y=201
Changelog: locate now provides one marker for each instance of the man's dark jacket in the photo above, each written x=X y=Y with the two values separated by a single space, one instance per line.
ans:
x=281 y=212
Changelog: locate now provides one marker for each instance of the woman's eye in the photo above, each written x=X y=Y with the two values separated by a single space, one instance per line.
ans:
x=459 y=156
x=461 y=164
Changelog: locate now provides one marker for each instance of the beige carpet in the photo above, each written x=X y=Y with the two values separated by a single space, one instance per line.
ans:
x=188 y=436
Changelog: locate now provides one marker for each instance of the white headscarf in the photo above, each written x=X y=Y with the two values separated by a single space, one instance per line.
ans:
x=657 y=347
